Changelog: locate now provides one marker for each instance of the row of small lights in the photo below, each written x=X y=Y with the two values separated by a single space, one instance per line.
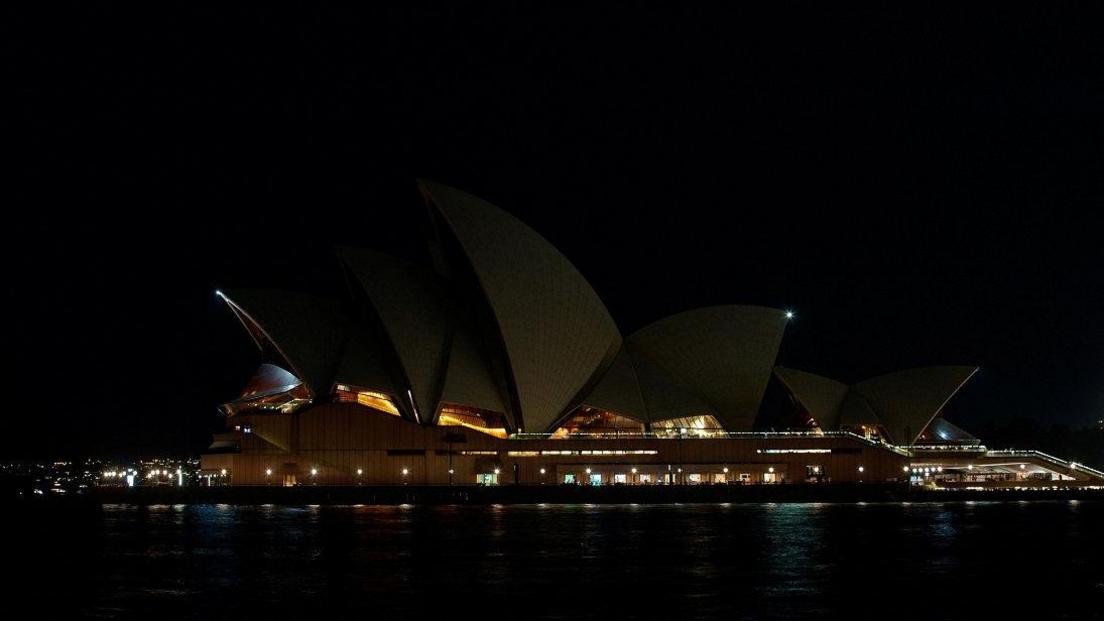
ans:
x=406 y=471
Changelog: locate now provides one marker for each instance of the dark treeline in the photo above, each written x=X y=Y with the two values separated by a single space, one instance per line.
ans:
x=1083 y=445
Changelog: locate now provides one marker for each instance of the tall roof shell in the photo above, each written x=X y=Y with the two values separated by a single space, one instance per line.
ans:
x=618 y=390
x=663 y=398
x=907 y=401
x=724 y=354
x=363 y=364
x=411 y=304
x=822 y=397
x=307 y=331
x=469 y=379
x=556 y=332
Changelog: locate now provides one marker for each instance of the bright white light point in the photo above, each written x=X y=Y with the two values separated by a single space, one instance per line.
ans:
x=861 y=469
x=789 y=314
x=268 y=472
x=405 y=472
x=314 y=471
x=360 y=471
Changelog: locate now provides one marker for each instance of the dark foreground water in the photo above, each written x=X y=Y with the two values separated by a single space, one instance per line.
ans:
x=939 y=560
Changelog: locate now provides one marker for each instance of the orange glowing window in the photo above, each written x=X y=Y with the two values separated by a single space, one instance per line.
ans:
x=484 y=421
x=375 y=400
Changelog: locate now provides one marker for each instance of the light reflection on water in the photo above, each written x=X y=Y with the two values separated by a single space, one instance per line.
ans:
x=731 y=561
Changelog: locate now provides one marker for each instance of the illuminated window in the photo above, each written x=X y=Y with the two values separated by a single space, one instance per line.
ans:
x=487 y=478
x=700 y=426
x=620 y=478
x=645 y=478
x=591 y=421
x=595 y=479
x=569 y=478
x=483 y=421
x=375 y=400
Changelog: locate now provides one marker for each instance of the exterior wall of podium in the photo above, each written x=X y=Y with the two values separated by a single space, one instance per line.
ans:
x=349 y=444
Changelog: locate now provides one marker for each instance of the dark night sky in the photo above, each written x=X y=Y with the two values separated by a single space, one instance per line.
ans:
x=921 y=187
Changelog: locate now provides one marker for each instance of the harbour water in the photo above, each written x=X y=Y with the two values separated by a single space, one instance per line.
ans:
x=947 y=560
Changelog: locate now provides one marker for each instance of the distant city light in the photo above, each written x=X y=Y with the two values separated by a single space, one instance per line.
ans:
x=789 y=314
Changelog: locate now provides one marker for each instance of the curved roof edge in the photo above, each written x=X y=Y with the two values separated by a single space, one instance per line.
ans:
x=557 y=333
x=410 y=304
x=822 y=397
x=306 y=331
x=907 y=401
x=724 y=354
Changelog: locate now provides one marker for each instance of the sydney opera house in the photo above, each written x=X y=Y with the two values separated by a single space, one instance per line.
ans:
x=500 y=365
